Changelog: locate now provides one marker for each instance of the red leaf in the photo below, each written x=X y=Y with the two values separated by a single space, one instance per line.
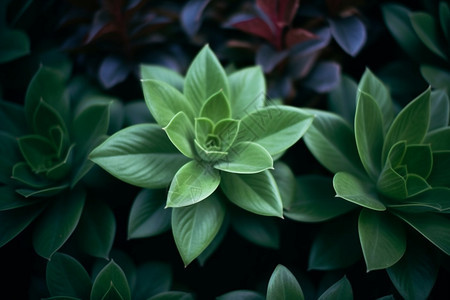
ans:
x=101 y=25
x=269 y=7
x=298 y=35
x=287 y=10
x=257 y=27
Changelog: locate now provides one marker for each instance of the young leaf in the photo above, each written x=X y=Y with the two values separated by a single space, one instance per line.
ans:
x=58 y=222
x=349 y=33
x=65 y=276
x=147 y=215
x=164 y=101
x=248 y=91
x=246 y=158
x=180 y=131
x=437 y=77
x=193 y=182
x=110 y=276
x=390 y=183
x=141 y=155
x=195 y=226
x=227 y=130
x=276 y=128
x=432 y=200
x=411 y=124
x=204 y=78
x=23 y=173
x=38 y=152
x=340 y=290
x=383 y=239
x=257 y=193
x=419 y=160
x=426 y=29
x=369 y=134
x=283 y=285
x=163 y=74
x=216 y=108
x=46 y=117
x=353 y=189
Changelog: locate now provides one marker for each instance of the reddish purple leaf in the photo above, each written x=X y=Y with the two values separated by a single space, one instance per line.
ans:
x=101 y=25
x=287 y=10
x=257 y=27
x=269 y=7
x=298 y=35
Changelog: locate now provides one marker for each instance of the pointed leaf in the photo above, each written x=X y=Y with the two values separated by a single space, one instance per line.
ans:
x=418 y=159
x=141 y=155
x=204 y=78
x=192 y=16
x=383 y=239
x=113 y=70
x=23 y=173
x=227 y=130
x=285 y=179
x=283 y=285
x=241 y=294
x=427 y=30
x=444 y=17
x=390 y=183
x=9 y=199
x=216 y=107
x=110 y=275
x=257 y=193
x=246 y=158
x=209 y=155
x=15 y=44
x=432 y=200
x=212 y=247
x=195 y=226
x=340 y=290
x=255 y=26
x=46 y=117
x=162 y=74
x=440 y=110
x=203 y=127
x=65 y=276
x=45 y=192
x=349 y=33
x=437 y=77
x=38 y=152
x=181 y=133
x=355 y=190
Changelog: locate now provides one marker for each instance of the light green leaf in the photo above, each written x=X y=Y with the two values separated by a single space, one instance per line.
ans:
x=110 y=275
x=147 y=215
x=180 y=131
x=216 y=108
x=195 y=226
x=163 y=74
x=204 y=78
x=276 y=128
x=210 y=155
x=357 y=191
x=257 y=193
x=433 y=227
x=440 y=176
x=193 y=182
x=246 y=158
x=437 y=77
x=203 y=127
x=283 y=285
x=383 y=239
x=390 y=183
x=285 y=179
x=411 y=124
x=15 y=44
x=248 y=91
x=165 y=101
x=340 y=290
x=227 y=130
x=315 y=200
x=416 y=185
x=152 y=278
x=58 y=222
x=65 y=276
x=369 y=134
x=141 y=155
x=332 y=142
x=427 y=30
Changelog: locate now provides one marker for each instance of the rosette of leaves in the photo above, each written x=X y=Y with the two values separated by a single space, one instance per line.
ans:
x=217 y=132
x=395 y=168
x=425 y=37
x=44 y=152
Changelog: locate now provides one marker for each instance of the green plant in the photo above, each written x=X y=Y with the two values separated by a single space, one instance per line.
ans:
x=44 y=152
x=217 y=132
x=395 y=168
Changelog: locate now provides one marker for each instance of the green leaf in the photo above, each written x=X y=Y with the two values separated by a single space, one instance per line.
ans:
x=204 y=78
x=172 y=295
x=45 y=118
x=342 y=99
x=427 y=30
x=147 y=215
x=152 y=278
x=15 y=44
x=203 y=127
x=14 y=221
x=340 y=290
x=193 y=182
x=195 y=226
x=315 y=200
x=332 y=142
x=390 y=183
x=46 y=192
x=180 y=131
x=210 y=155
x=216 y=108
x=227 y=130
x=444 y=17
x=38 y=152
x=65 y=276
x=58 y=222
x=63 y=167
x=9 y=156
x=248 y=91
x=9 y=199
x=163 y=74
x=13 y=119
x=285 y=180
x=440 y=176
x=96 y=229
x=276 y=128
x=383 y=239
x=212 y=247
x=246 y=158
x=432 y=200
x=416 y=184
x=165 y=101
x=257 y=193
x=110 y=275
x=418 y=159
x=23 y=173
x=437 y=77
x=369 y=134
x=439 y=139
x=411 y=124
x=336 y=245
x=372 y=86
x=112 y=293
x=433 y=227
x=283 y=285
x=440 y=110
x=241 y=294
x=353 y=189
x=415 y=274
x=141 y=155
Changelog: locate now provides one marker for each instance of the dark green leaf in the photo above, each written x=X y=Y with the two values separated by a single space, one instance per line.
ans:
x=123 y=260
x=46 y=192
x=65 y=276
x=163 y=74
x=60 y=170
x=180 y=131
x=110 y=275
x=390 y=183
x=257 y=193
x=9 y=199
x=440 y=110
x=148 y=216
x=283 y=285
x=112 y=294
x=342 y=100
x=152 y=278
x=9 y=156
x=432 y=200
x=440 y=176
x=340 y=290
x=58 y=222
x=15 y=44
x=242 y=295
x=141 y=155
x=418 y=159
x=216 y=107
x=416 y=184
x=444 y=17
x=172 y=295
x=45 y=117
x=426 y=29
x=439 y=139
x=195 y=226
x=23 y=173
x=437 y=77
x=285 y=179
x=212 y=247
x=13 y=119
x=38 y=152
